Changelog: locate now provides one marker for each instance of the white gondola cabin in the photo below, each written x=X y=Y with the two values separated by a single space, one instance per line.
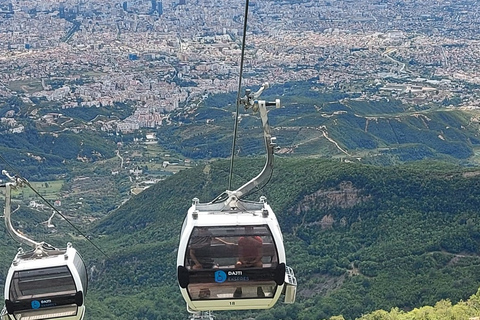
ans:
x=231 y=254
x=49 y=287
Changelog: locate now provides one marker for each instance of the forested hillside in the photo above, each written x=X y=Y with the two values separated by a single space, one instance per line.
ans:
x=313 y=121
x=359 y=237
x=444 y=309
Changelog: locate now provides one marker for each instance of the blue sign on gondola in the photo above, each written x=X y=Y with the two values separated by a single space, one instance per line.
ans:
x=35 y=304
x=220 y=276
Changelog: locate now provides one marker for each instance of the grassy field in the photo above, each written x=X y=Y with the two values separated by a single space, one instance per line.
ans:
x=50 y=190
x=26 y=86
x=154 y=156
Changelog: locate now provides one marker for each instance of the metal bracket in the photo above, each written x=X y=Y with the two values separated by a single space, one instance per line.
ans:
x=39 y=247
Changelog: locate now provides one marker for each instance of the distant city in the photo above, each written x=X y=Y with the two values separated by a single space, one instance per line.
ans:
x=160 y=55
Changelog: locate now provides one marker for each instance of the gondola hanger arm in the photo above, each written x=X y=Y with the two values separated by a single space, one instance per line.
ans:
x=16 y=182
x=250 y=101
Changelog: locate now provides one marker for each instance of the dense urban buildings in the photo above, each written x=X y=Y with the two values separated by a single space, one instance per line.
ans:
x=159 y=55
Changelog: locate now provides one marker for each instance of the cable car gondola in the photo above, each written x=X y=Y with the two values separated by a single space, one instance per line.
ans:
x=44 y=282
x=231 y=254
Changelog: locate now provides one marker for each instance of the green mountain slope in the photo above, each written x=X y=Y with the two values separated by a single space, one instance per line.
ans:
x=313 y=122
x=48 y=138
x=359 y=237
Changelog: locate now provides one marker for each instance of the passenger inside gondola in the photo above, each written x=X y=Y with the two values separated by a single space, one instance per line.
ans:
x=250 y=255
x=200 y=245
x=249 y=250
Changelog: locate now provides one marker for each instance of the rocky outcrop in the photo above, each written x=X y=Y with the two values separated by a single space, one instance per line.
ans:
x=345 y=196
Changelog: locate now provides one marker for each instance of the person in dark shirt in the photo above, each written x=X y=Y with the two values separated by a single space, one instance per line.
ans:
x=200 y=252
x=200 y=246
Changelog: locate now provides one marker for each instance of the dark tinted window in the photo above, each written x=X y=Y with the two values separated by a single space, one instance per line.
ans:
x=228 y=262
x=224 y=247
x=38 y=283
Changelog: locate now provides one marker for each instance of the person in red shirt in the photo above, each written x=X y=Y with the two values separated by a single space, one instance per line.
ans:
x=249 y=251
x=249 y=256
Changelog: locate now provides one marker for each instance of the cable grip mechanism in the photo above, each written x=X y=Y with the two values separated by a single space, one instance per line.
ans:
x=250 y=99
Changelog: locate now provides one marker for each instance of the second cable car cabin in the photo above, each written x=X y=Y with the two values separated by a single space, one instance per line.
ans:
x=231 y=254
x=49 y=287
x=44 y=282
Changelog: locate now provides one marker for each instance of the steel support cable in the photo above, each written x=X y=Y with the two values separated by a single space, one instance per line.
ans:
x=235 y=128
x=51 y=206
